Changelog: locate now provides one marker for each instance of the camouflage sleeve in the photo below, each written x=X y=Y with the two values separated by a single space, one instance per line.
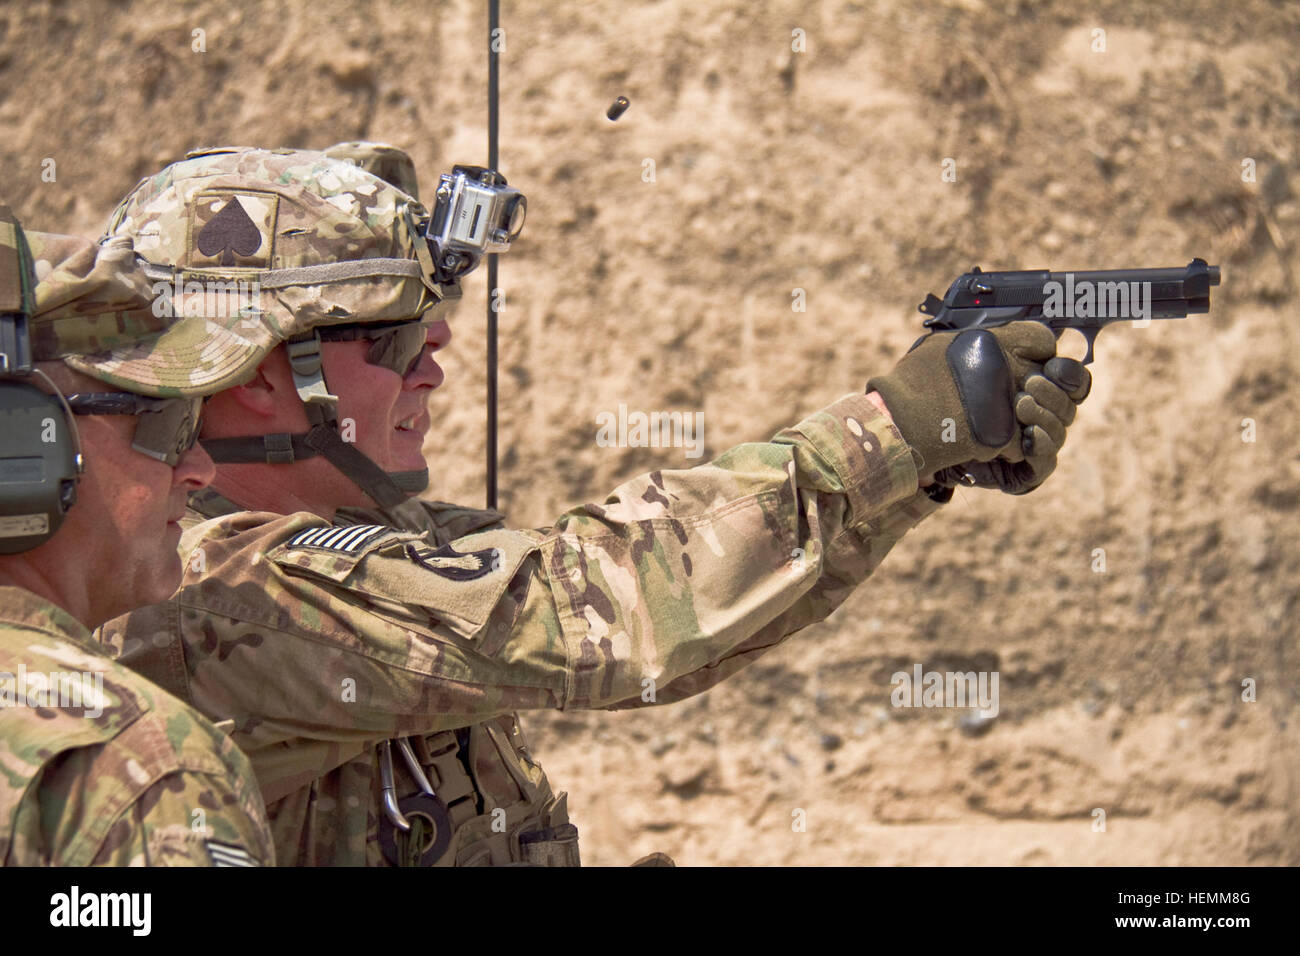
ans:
x=678 y=578
x=204 y=812
x=845 y=561
x=851 y=495
x=169 y=789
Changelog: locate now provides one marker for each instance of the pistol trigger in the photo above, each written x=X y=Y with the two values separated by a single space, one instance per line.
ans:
x=1090 y=335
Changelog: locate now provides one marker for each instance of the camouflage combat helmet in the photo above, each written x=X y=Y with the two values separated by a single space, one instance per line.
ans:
x=305 y=241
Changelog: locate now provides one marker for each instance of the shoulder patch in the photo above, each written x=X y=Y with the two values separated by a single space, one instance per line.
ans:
x=349 y=539
x=223 y=854
x=452 y=564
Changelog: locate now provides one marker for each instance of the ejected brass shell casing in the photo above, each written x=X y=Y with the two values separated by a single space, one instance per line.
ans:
x=617 y=108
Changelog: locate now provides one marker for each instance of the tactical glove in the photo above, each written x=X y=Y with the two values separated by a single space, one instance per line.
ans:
x=980 y=398
x=1045 y=409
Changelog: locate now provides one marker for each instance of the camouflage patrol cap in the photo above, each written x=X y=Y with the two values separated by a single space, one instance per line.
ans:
x=313 y=240
x=96 y=308
x=88 y=298
x=389 y=163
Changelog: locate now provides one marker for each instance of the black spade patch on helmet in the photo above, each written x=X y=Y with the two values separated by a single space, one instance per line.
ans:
x=231 y=231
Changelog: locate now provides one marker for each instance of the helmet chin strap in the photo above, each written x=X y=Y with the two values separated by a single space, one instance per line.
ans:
x=410 y=482
x=386 y=489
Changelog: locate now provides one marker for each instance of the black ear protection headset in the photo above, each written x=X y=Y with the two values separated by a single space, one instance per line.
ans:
x=40 y=453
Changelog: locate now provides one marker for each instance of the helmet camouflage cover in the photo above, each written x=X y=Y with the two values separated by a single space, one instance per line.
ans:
x=313 y=240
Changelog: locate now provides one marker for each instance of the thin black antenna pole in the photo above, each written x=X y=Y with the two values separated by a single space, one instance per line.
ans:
x=494 y=19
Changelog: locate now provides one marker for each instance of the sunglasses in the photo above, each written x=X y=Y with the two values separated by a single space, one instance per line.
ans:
x=395 y=346
x=165 y=428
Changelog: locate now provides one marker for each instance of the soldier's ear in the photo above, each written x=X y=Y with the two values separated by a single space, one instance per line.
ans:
x=257 y=395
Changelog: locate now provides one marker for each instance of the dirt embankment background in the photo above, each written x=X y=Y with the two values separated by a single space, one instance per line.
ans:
x=821 y=170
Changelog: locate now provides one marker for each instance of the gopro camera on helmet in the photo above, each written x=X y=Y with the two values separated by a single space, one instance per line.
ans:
x=474 y=212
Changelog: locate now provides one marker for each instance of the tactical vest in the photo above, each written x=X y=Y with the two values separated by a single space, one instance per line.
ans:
x=470 y=797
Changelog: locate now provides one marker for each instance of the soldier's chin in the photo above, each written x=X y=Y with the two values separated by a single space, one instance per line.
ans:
x=410 y=458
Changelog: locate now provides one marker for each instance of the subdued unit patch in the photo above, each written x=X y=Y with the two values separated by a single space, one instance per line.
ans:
x=454 y=565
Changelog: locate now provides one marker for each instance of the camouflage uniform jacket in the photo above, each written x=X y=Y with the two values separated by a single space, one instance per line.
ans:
x=320 y=642
x=126 y=775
